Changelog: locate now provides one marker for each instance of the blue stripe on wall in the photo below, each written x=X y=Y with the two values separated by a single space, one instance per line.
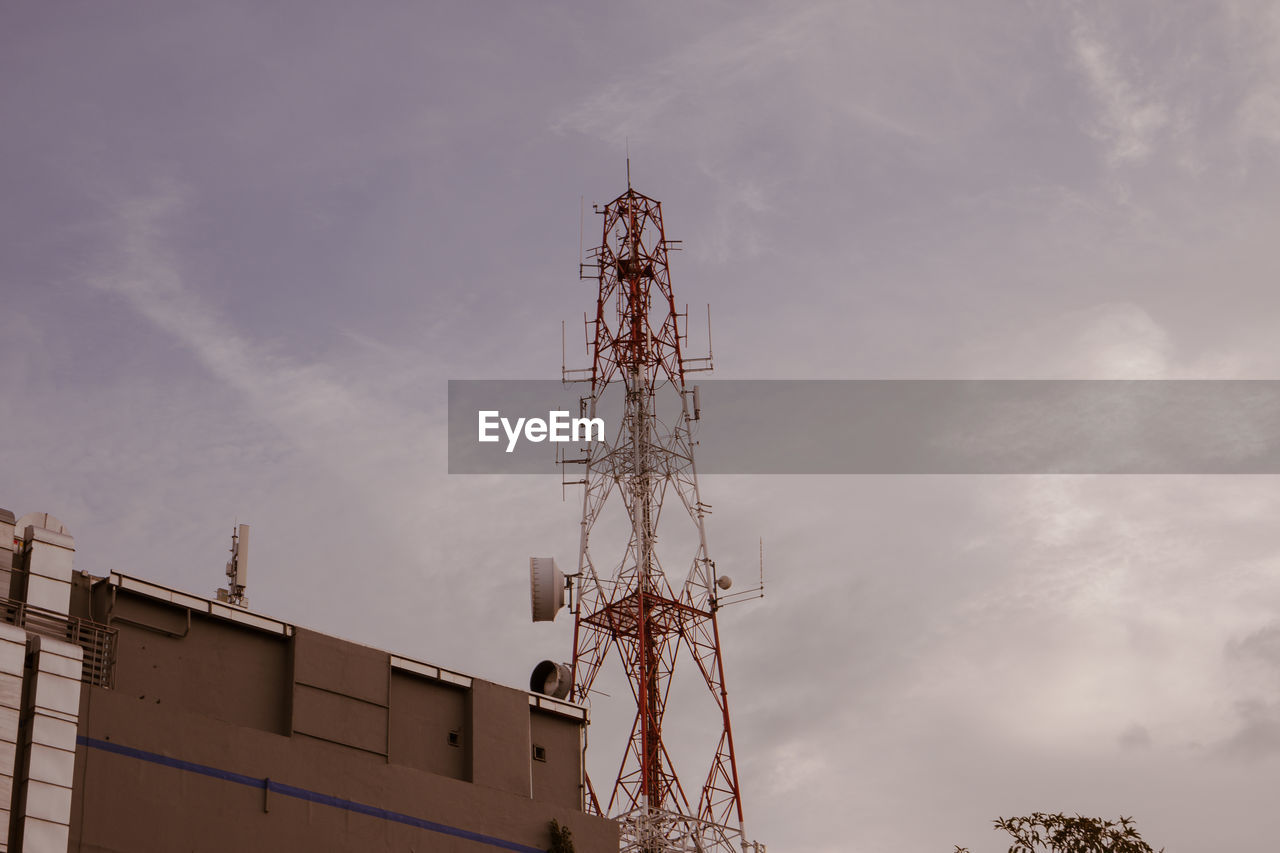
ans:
x=303 y=794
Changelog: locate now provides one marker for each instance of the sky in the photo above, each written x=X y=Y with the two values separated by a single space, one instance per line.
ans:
x=244 y=247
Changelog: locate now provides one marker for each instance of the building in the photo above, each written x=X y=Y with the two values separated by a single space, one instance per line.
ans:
x=134 y=717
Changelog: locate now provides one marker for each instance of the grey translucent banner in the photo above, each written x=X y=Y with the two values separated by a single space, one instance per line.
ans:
x=903 y=426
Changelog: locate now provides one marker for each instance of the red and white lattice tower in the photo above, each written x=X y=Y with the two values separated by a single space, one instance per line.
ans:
x=626 y=606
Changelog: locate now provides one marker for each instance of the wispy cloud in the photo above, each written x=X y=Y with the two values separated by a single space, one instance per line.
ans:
x=308 y=404
x=1130 y=114
x=632 y=105
x=1258 y=116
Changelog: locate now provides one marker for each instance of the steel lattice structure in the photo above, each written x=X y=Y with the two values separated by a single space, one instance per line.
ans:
x=629 y=607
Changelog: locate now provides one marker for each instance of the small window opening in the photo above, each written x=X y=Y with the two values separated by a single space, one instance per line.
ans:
x=455 y=738
x=539 y=753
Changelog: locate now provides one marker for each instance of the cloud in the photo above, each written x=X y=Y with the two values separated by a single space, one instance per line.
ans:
x=1258 y=736
x=368 y=452
x=1119 y=341
x=1136 y=736
x=1263 y=645
x=1255 y=660
x=1258 y=33
x=307 y=403
x=635 y=103
x=1130 y=114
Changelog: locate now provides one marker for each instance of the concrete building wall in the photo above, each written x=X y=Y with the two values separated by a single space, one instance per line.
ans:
x=13 y=657
x=430 y=726
x=7 y=521
x=194 y=725
x=307 y=741
x=244 y=789
x=168 y=656
x=557 y=756
x=45 y=765
x=340 y=692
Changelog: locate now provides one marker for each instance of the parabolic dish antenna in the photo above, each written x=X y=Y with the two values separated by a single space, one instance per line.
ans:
x=546 y=588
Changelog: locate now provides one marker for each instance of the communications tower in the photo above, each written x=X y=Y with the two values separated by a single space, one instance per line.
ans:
x=625 y=604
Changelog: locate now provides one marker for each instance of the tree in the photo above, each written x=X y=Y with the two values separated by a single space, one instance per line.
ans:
x=561 y=838
x=1057 y=833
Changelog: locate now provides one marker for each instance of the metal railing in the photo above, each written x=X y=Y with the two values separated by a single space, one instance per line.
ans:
x=96 y=640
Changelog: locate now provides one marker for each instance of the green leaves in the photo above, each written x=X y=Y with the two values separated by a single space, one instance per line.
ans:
x=1056 y=833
